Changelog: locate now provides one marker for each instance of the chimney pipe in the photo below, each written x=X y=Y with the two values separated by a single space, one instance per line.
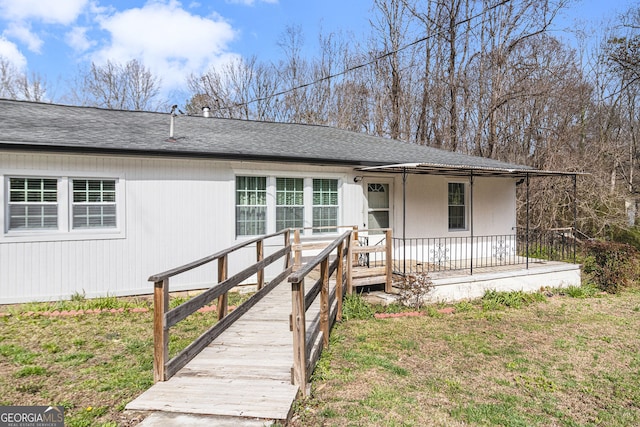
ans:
x=206 y=111
x=172 y=122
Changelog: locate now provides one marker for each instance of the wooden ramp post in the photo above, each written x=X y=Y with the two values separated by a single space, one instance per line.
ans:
x=160 y=331
x=299 y=329
x=389 y=262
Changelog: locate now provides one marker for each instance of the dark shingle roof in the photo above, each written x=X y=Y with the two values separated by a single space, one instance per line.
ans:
x=85 y=129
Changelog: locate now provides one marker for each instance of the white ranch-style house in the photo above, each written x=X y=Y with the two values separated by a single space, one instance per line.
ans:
x=94 y=201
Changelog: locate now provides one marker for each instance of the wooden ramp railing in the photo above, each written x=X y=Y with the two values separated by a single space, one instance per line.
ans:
x=164 y=319
x=335 y=262
x=379 y=259
x=308 y=344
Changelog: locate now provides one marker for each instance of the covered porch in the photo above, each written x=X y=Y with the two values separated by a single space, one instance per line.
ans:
x=465 y=263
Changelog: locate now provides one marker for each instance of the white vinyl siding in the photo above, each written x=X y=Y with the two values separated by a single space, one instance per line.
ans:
x=94 y=203
x=289 y=203
x=33 y=203
x=325 y=205
x=251 y=205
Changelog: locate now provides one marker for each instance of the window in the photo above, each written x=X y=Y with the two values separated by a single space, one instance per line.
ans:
x=62 y=208
x=251 y=205
x=94 y=203
x=378 y=199
x=457 y=210
x=33 y=203
x=289 y=203
x=268 y=204
x=325 y=204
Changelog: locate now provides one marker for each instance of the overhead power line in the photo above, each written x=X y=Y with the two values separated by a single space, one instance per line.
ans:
x=365 y=64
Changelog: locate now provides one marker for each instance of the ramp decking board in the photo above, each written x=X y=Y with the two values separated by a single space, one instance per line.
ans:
x=244 y=373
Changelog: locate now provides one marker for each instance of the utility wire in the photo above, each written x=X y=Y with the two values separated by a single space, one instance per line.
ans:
x=365 y=64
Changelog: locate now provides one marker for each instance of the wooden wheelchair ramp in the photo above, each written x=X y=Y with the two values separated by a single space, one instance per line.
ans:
x=243 y=378
x=248 y=368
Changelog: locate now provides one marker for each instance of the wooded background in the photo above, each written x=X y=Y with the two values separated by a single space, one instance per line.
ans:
x=484 y=77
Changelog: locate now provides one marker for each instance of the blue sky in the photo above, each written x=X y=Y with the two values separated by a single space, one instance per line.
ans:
x=175 y=38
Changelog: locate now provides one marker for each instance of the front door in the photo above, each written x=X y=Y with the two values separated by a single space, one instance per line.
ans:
x=378 y=209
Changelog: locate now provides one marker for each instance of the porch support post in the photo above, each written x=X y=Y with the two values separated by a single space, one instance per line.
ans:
x=575 y=215
x=404 y=221
x=471 y=219
x=527 y=226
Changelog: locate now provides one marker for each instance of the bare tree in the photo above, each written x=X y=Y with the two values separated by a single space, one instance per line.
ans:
x=18 y=85
x=129 y=86
x=239 y=89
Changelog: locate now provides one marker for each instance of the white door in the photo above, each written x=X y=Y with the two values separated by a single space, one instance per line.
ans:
x=378 y=206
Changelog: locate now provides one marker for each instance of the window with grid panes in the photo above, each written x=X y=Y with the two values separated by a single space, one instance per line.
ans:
x=33 y=203
x=325 y=205
x=457 y=209
x=251 y=205
x=94 y=203
x=289 y=203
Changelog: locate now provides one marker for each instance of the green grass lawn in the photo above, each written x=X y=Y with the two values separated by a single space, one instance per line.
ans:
x=553 y=361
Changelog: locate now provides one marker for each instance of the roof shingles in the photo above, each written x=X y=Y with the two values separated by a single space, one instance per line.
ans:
x=85 y=129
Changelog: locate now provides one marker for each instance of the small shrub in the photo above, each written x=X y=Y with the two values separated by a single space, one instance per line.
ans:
x=413 y=289
x=587 y=290
x=492 y=300
x=355 y=307
x=611 y=266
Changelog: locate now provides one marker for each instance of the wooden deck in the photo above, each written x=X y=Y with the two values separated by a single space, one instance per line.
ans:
x=241 y=378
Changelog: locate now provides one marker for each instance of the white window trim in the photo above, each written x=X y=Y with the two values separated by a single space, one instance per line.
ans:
x=64 y=232
x=466 y=205
x=271 y=176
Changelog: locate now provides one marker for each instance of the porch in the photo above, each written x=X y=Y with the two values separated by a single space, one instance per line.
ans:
x=466 y=267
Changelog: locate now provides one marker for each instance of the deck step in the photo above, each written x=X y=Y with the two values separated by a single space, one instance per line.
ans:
x=369 y=281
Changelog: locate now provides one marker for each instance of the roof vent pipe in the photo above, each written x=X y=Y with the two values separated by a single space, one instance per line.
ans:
x=206 y=111
x=173 y=118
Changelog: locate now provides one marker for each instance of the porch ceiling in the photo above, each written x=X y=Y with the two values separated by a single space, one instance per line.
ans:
x=456 y=170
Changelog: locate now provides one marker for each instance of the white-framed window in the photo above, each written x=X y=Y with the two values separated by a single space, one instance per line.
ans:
x=32 y=204
x=269 y=203
x=289 y=203
x=251 y=205
x=94 y=203
x=457 y=209
x=38 y=207
x=325 y=205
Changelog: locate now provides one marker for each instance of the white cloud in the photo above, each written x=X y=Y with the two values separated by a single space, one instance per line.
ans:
x=11 y=53
x=77 y=39
x=251 y=2
x=22 y=33
x=168 y=40
x=48 y=11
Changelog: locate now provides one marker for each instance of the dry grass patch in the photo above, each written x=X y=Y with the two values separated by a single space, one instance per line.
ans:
x=561 y=362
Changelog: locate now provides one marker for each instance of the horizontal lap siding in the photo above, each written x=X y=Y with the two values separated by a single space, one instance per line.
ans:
x=176 y=211
x=161 y=230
